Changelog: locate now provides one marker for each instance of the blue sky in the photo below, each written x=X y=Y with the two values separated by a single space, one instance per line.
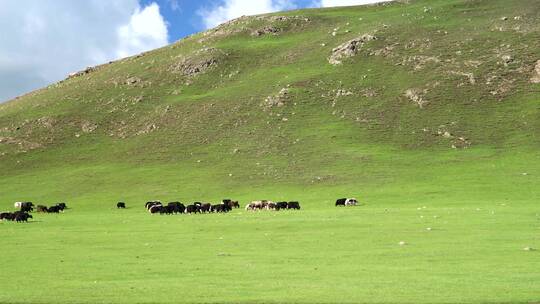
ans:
x=184 y=18
x=41 y=42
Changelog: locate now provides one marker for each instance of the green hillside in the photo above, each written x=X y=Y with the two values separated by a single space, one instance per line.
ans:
x=427 y=111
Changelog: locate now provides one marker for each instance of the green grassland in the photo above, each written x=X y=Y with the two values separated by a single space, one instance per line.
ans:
x=465 y=164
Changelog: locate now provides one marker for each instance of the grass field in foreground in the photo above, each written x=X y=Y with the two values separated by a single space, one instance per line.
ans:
x=441 y=111
x=473 y=253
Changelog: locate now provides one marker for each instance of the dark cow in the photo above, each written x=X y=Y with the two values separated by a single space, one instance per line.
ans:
x=217 y=208
x=194 y=208
x=166 y=210
x=41 y=208
x=155 y=209
x=22 y=217
x=341 y=202
x=27 y=207
x=230 y=203
x=281 y=205
x=121 y=205
x=54 y=209
x=271 y=206
x=148 y=205
x=293 y=205
x=205 y=207
x=177 y=207
x=61 y=206
x=8 y=216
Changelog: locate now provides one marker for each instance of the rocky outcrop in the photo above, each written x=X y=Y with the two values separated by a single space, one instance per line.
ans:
x=201 y=61
x=349 y=49
x=417 y=96
x=272 y=30
x=536 y=73
x=277 y=100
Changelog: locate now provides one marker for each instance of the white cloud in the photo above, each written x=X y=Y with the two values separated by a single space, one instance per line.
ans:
x=145 y=30
x=230 y=9
x=330 y=3
x=43 y=41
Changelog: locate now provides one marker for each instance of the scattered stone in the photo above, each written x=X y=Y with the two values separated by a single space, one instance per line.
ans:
x=47 y=122
x=536 y=73
x=429 y=229
x=266 y=30
x=132 y=80
x=197 y=63
x=147 y=129
x=416 y=96
x=507 y=59
x=420 y=61
x=342 y=92
x=349 y=49
x=528 y=249
x=447 y=134
x=277 y=100
x=402 y=243
x=470 y=76
x=88 y=127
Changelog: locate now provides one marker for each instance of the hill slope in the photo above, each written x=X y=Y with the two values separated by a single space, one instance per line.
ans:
x=403 y=104
x=432 y=76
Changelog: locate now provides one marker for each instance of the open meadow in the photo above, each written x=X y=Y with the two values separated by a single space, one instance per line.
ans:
x=427 y=112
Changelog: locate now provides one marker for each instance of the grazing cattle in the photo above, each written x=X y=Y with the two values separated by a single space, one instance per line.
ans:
x=62 y=206
x=258 y=205
x=27 y=208
x=8 y=216
x=54 y=209
x=281 y=205
x=41 y=208
x=351 y=202
x=177 y=207
x=166 y=210
x=22 y=217
x=155 y=208
x=205 y=207
x=293 y=205
x=24 y=206
x=254 y=205
x=230 y=203
x=121 y=205
x=148 y=205
x=194 y=208
x=218 y=208
x=341 y=202
x=271 y=206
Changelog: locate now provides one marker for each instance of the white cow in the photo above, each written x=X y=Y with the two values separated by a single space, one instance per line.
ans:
x=351 y=202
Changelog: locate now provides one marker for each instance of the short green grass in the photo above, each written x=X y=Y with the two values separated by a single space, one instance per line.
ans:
x=482 y=214
x=213 y=139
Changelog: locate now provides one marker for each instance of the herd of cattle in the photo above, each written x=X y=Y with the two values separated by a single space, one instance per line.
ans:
x=22 y=215
x=156 y=207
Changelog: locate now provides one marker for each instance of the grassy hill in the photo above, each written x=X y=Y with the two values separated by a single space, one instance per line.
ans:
x=427 y=111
